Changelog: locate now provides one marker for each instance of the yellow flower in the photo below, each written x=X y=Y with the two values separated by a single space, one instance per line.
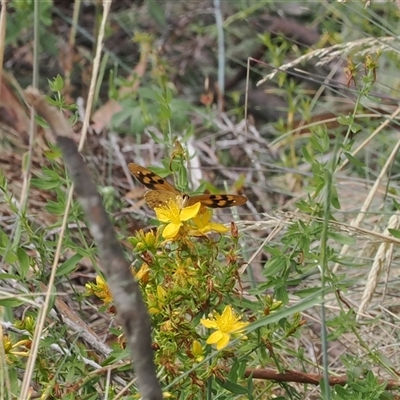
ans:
x=157 y=302
x=185 y=274
x=100 y=289
x=27 y=323
x=143 y=274
x=166 y=326
x=12 y=350
x=204 y=224
x=225 y=324
x=197 y=351
x=144 y=240
x=173 y=216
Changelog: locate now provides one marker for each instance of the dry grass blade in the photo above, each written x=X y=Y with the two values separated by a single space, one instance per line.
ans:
x=381 y=261
x=42 y=314
x=361 y=47
x=367 y=203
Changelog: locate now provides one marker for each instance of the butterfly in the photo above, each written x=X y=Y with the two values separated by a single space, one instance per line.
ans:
x=161 y=192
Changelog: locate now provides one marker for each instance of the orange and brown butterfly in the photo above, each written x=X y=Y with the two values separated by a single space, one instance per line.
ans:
x=161 y=192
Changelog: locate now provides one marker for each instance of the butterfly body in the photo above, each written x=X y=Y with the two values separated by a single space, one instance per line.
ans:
x=162 y=191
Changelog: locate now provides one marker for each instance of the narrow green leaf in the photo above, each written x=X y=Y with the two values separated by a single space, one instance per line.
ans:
x=274 y=266
x=23 y=261
x=307 y=155
x=395 y=233
x=5 y=276
x=354 y=160
x=342 y=239
x=69 y=265
x=11 y=302
x=40 y=183
x=232 y=386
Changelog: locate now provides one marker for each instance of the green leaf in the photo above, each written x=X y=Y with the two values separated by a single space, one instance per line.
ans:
x=274 y=266
x=354 y=160
x=232 y=386
x=165 y=112
x=307 y=155
x=120 y=117
x=157 y=13
x=41 y=183
x=281 y=294
x=395 y=233
x=56 y=208
x=342 y=239
x=307 y=292
x=233 y=372
x=5 y=276
x=41 y=122
x=11 y=302
x=320 y=140
x=68 y=266
x=53 y=154
x=57 y=84
x=354 y=128
x=23 y=259
x=335 y=198
x=396 y=204
x=10 y=257
x=385 y=360
x=345 y=119
x=305 y=304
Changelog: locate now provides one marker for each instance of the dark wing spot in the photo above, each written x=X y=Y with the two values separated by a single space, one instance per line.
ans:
x=151 y=181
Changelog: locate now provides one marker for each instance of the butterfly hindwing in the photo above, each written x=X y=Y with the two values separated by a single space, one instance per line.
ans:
x=156 y=198
x=217 y=200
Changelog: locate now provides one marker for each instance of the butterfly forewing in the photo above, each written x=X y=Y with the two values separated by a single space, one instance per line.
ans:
x=161 y=192
x=151 y=180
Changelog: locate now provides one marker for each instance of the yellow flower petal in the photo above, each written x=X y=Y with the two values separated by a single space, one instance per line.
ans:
x=190 y=212
x=223 y=342
x=205 y=225
x=227 y=315
x=161 y=293
x=215 y=337
x=163 y=214
x=143 y=274
x=238 y=326
x=197 y=350
x=171 y=230
x=202 y=218
x=208 y=323
x=217 y=227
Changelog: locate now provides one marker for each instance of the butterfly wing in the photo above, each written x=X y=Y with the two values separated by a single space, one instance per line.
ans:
x=151 y=180
x=157 y=198
x=161 y=192
x=217 y=200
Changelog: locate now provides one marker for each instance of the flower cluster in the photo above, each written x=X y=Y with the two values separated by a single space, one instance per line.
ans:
x=187 y=280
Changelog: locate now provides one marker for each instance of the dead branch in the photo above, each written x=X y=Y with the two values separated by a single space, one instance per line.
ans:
x=303 y=377
x=128 y=299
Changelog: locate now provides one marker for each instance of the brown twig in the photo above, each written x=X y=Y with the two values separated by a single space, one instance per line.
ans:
x=302 y=377
x=126 y=292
